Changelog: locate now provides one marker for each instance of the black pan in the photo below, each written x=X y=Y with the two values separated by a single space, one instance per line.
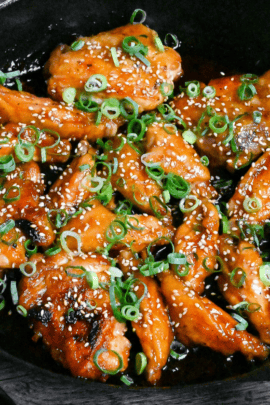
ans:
x=216 y=36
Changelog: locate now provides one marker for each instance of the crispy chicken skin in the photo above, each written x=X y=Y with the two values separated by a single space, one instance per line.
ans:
x=26 y=181
x=245 y=257
x=251 y=138
x=197 y=238
x=74 y=337
x=136 y=185
x=177 y=156
x=254 y=184
x=153 y=327
x=95 y=221
x=9 y=139
x=70 y=123
x=72 y=187
x=198 y=321
x=68 y=68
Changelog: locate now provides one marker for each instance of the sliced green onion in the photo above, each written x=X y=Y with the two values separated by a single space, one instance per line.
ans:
x=85 y=103
x=8 y=75
x=74 y=235
x=7 y=163
x=177 y=186
x=82 y=168
x=19 y=84
x=166 y=89
x=155 y=173
x=249 y=78
x=132 y=45
x=36 y=134
x=21 y=149
x=204 y=160
x=114 y=57
x=130 y=312
x=166 y=196
x=2 y=285
x=115 y=165
x=53 y=251
x=69 y=95
x=24 y=272
x=182 y=204
x=127 y=380
x=257 y=117
x=149 y=164
x=167 y=112
x=246 y=306
x=92 y=279
x=173 y=38
x=189 y=136
x=136 y=13
x=171 y=129
x=140 y=56
x=75 y=271
x=136 y=127
x=12 y=189
x=99 y=180
x=115 y=272
x=235 y=273
x=44 y=149
x=174 y=354
x=21 y=310
x=265 y=273
x=152 y=268
x=252 y=205
x=110 y=108
x=77 y=45
x=156 y=212
x=213 y=270
x=111 y=372
x=96 y=83
x=242 y=323
x=14 y=292
x=215 y=123
x=140 y=363
x=2 y=299
x=116 y=231
x=209 y=92
x=159 y=44
x=193 y=88
x=246 y=91
x=7 y=226
x=129 y=109
x=58 y=222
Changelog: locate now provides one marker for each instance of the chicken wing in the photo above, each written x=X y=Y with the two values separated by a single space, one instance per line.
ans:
x=132 y=78
x=197 y=321
x=74 y=320
x=12 y=250
x=70 y=123
x=197 y=238
x=251 y=200
x=246 y=260
x=153 y=327
x=54 y=154
x=93 y=226
x=177 y=156
x=22 y=199
x=251 y=137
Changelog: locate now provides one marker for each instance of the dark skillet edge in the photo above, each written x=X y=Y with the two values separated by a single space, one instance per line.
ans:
x=22 y=380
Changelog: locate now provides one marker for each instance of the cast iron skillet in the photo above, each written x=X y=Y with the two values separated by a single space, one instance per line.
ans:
x=227 y=35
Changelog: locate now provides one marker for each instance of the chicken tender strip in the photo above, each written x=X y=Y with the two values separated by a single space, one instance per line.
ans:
x=197 y=238
x=177 y=156
x=70 y=123
x=57 y=304
x=245 y=258
x=132 y=78
x=198 y=321
x=153 y=327
x=9 y=139
x=134 y=184
x=93 y=224
x=254 y=184
x=251 y=138
x=26 y=183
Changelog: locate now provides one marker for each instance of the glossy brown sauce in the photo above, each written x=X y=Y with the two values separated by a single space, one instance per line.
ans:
x=200 y=364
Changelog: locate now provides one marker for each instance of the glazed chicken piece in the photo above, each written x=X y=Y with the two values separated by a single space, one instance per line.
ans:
x=70 y=123
x=153 y=327
x=132 y=78
x=22 y=199
x=72 y=187
x=177 y=156
x=94 y=223
x=246 y=259
x=9 y=139
x=251 y=138
x=61 y=309
x=254 y=185
x=12 y=251
x=197 y=238
x=198 y=321
x=134 y=184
